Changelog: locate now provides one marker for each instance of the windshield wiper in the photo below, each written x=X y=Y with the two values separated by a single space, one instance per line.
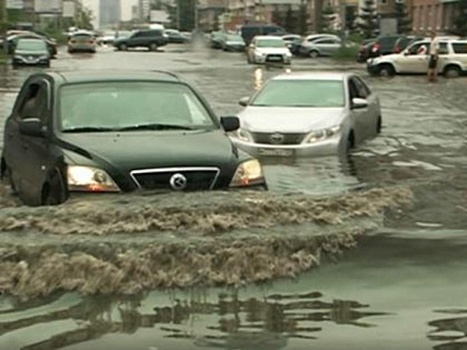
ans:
x=89 y=129
x=155 y=127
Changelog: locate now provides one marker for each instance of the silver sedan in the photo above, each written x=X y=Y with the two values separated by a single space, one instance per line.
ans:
x=308 y=114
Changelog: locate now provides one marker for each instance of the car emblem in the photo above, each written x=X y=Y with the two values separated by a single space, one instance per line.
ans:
x=277 y=138
x=178 y=182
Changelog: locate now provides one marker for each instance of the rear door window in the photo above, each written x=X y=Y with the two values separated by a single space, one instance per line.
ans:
x=460 y=47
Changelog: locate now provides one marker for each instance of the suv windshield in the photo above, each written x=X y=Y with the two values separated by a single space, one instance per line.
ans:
x=301 y=93
x=131 y=106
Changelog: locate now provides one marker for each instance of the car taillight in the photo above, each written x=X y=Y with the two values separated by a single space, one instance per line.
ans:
x=91 y=41
x=397 y=49
x=375 y=48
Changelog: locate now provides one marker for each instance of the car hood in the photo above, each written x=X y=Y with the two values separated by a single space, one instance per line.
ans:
x=272 y=50
x=138 y=150
x=290 y=119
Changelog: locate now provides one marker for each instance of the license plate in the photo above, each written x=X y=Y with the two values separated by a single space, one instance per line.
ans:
x=274 y=58
x=276 y=152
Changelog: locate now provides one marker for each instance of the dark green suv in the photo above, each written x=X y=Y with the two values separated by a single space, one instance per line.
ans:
x=107 y=132
x=150 y=38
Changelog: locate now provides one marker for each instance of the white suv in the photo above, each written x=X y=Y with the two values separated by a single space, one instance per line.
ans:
x=452 y=59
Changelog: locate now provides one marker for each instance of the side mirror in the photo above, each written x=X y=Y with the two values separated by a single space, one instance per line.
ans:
x=244 y=101
x=31 y=127
x=359 y=103
x=230 y=123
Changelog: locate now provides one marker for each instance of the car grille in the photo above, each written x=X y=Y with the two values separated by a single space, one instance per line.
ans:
x=277 y=138
x=186 y=179
x=274 y=58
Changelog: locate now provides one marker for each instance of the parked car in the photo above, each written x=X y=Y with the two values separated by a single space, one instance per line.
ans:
x=291 y=40
x=268 y=49
x=404 y=41
x=175 y=37
x=320 y=47
x=308 y=114
x=452 y=59
x=217 y=39
x=82 y=41
x=233 y=42
x=107 y=38
x=249 y=31
x=148 y=38
x=115 y=132
x=31 y=52
x=364 y=50
x=382 y=45
x=13 y=41
x=299 y=47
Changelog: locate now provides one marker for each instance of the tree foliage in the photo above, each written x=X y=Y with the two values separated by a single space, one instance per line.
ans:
x=368 y=21
x=403 y=20
x=186 y=14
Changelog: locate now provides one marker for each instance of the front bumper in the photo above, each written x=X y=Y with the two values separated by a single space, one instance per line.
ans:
x=273 y=59
x=24 y=61
x=328 y=147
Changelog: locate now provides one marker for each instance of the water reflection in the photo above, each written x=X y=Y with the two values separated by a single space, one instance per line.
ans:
x=229 y=321
x=452 y=332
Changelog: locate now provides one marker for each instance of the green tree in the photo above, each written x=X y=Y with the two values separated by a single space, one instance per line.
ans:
x=368 y=23
x=289 y=22
x=460 y=21
x=402 y=16
x=350 y=17
x=186 y=14
x=277 y=17
x=327 y=15
x=302 y=19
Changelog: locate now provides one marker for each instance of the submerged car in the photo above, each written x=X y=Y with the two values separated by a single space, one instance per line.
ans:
x=31 y=52
x=233 y=42
x=113 y=132
x=268 y=49
x=308 y=114
x=82 y=41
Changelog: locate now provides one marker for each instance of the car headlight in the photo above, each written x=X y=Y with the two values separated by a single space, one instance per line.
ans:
x=89 y=179
x=242 y=135
x=323 y=134
x=248 y=173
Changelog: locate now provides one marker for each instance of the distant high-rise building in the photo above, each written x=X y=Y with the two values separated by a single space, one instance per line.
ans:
x=109 y=13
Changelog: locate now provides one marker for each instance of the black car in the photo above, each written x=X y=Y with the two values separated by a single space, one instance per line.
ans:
x=148 y=38
x=405 y=41
x=31 y=52
x=118 y=132
x=13 y=41
x=175 y=37
x=382 y=45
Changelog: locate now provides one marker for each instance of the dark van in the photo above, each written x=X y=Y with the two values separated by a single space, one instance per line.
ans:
x=249 y=31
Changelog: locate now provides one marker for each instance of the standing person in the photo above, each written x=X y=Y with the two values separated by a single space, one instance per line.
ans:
x=433 y=52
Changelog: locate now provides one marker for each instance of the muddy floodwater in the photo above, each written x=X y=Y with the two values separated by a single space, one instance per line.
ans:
x=359 y=253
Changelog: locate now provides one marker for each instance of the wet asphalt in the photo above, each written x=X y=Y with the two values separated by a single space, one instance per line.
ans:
x=404 y=287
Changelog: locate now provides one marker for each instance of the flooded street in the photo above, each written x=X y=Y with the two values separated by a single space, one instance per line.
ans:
x=400 y=287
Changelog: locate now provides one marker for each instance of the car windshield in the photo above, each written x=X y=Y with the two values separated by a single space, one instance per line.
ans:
x=301 y=93
x=270 y=43
x=31 y=45
x=120 y=106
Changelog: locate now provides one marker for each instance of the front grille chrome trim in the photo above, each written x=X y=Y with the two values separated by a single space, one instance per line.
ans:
x=175 y=170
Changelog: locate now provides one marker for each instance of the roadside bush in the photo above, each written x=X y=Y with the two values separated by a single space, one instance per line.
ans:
x=3 y=58
x=347 y=53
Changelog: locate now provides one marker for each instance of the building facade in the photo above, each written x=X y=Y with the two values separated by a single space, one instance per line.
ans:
x=109 y=13
x=434 y=15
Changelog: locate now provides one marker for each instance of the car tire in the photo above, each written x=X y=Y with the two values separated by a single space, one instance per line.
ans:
x=122 y=47
x=452 y=72
x=153 y=47
x=379 y=125
x=313 y=54
x=7 y=178
x=386 y=70
x=70 y=51
x=54 y=191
